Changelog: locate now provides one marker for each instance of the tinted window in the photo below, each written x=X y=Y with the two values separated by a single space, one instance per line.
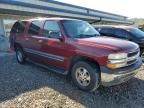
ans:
x=79 y=29
x=50 y=26
x=106 y=31
x=136 y=32
x=18 y=27
x=121 y=33
x=34 y=28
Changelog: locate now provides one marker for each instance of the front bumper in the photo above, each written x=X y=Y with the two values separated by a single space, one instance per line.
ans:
x=110 y=77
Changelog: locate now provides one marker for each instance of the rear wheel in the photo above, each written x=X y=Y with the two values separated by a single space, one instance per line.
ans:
x=86 y=76
x=20 y=55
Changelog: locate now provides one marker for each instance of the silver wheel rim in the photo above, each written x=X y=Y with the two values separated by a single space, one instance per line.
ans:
x=19 y=56
x=83 y=76
x=142 y=56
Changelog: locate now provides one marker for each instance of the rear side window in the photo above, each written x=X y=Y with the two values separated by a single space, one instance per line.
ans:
x=18 y=27
x=106 y=31
x=34 y=28
x=50 y=26
x=121 y=33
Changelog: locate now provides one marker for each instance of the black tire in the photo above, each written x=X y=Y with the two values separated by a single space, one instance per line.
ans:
x=142 y=55
x=19 y=52
x=94 y=74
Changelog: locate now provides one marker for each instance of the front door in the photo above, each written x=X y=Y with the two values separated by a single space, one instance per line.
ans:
x=53 y=47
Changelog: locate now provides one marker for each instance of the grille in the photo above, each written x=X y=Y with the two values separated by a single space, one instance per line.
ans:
x=133 y=56
x=133 y=53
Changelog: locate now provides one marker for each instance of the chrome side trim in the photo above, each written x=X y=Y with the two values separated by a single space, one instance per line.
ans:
x=43 y=54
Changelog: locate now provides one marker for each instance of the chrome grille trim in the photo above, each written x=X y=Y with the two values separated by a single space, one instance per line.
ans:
x=133 y=57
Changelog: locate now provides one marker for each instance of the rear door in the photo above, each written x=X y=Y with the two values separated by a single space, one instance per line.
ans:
x=33 y=41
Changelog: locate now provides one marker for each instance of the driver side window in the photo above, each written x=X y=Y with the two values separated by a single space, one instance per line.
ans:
x=51 y=27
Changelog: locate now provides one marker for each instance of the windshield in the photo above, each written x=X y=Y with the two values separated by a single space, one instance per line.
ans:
x=79 y=29
x=136 y=32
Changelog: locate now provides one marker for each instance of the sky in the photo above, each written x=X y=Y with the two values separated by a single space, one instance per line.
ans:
x=129 y=8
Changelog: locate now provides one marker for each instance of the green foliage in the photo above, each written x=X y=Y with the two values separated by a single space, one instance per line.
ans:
x=139 y=22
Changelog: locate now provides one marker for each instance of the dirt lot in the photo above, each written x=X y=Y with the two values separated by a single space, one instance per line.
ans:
x=29 y=86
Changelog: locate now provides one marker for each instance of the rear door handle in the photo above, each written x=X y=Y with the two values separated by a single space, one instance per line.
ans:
x=26 y=39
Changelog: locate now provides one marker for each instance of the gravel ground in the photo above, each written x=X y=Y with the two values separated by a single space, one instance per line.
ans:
x=29 y=86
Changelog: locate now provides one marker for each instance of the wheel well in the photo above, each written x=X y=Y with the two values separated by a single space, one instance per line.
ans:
x=16 y=45
x=82 y=58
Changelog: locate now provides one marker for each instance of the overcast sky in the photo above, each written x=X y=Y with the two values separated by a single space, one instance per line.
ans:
x=130 y=8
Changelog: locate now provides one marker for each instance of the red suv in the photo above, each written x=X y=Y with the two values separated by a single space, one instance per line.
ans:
x=74 y=47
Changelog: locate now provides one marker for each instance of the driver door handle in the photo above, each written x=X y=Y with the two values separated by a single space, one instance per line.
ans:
x=40 y=41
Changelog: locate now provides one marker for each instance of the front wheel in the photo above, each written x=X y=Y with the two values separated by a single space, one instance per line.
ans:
x=86 y=76
x=20 y=55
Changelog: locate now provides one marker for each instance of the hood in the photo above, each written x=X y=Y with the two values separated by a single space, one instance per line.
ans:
x=109 y=43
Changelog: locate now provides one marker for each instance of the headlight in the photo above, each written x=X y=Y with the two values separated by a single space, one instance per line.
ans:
x=117 y=60
x=118 y=56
